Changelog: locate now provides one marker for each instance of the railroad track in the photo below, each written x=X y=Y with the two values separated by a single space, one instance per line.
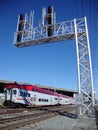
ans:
x=17 y=110
x=27 y=119
x=15 y=122
x=29 y=109
x=8 y=111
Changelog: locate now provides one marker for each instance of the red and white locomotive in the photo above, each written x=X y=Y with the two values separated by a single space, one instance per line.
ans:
x=28 y=95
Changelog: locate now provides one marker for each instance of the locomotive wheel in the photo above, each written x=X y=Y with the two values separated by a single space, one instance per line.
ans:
x=5 y=104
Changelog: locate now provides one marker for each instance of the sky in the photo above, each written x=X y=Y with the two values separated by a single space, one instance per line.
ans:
x=49 y=64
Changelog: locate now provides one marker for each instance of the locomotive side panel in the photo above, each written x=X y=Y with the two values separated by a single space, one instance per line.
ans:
x=63 y=99
x=25 y=97
x=28 y=95
x=42 y=99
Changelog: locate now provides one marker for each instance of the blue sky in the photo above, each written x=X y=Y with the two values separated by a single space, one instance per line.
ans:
x=50 y=64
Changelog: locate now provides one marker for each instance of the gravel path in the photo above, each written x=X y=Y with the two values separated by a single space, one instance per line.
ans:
x=64 y=123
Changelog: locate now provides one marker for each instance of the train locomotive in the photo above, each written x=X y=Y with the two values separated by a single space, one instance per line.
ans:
x=17 y=95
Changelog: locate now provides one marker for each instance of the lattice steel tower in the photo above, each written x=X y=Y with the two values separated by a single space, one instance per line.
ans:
x=49 y=31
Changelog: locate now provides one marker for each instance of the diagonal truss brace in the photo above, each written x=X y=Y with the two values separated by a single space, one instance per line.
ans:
x=85 y=79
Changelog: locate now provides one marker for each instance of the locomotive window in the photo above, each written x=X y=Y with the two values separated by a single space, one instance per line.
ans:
x=5 y=91
x=25 y=94
x=21 y=94
x=43 y=100
x=42 y=91
x=33 y=89
x=14 y=92
x=28 y=94
x=39 y=91
x=8 y=90
x=39 y=100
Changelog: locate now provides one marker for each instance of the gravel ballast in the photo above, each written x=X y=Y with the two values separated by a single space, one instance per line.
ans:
x=61 y=122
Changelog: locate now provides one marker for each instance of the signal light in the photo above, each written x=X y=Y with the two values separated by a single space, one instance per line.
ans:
x=49 y=21
x=20 y=27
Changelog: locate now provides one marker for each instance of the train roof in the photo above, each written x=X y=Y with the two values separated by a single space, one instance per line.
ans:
x=58 y=90
x=30 y=88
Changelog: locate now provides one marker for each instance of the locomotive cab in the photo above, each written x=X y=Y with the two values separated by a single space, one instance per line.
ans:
x=15 y=97
x=10 y=95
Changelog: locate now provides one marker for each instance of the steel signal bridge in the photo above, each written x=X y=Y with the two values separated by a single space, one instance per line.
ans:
x=49 y=31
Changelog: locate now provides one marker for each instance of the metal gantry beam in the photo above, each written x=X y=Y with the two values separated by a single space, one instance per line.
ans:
x=49 y=31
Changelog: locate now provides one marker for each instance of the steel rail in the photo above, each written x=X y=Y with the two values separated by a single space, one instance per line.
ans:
x=23 y=120
x=27 y=122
